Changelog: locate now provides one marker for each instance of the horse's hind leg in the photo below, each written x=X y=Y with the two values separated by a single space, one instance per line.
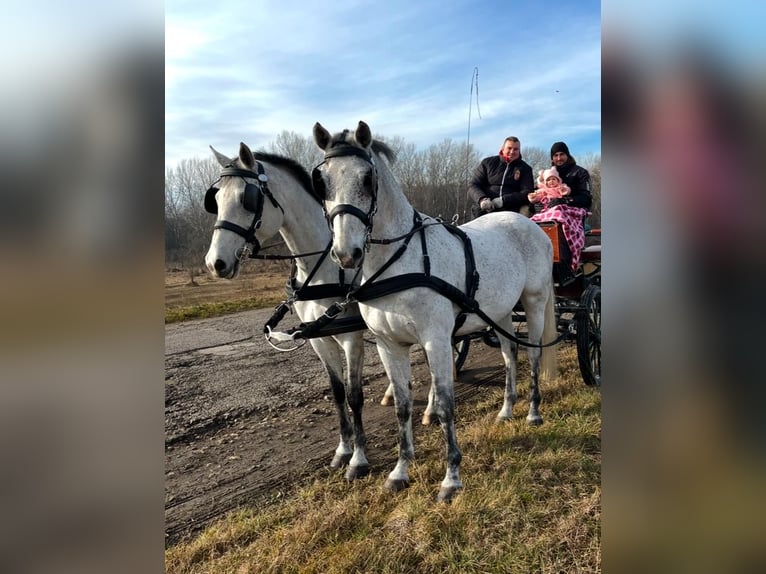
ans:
x=510 y=351
x=396 y=361
x=358 y=465
x=536 y=317
x=428 y=414
x=388 y=396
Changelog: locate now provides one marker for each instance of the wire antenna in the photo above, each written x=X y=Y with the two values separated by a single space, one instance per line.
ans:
x=474 y=82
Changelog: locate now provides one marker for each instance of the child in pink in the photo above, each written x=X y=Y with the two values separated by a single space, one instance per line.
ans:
x=552 y=194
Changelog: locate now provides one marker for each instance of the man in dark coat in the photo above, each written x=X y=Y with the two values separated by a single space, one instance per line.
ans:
x=575 y=176
x=501 y=182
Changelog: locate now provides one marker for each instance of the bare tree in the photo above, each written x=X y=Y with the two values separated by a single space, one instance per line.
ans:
x=300 y=148
x=537 y=158
x=187 y=225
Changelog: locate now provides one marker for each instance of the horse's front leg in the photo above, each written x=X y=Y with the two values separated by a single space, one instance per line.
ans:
x=330 y=354
x=439 y=354
x=354 y=348
x=396 y=361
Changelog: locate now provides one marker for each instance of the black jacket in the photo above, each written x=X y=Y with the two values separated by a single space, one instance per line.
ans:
x=578 y=180
x=493 y=177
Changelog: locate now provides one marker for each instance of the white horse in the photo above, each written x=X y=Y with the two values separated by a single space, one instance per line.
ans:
x=257 y=196
x=408 y=295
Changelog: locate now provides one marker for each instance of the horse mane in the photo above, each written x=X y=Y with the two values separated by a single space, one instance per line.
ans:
x=380 y=147
x=291 y=166
x=377 y=146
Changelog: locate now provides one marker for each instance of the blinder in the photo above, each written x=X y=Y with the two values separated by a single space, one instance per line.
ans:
x=252 y=201
x=252 y=197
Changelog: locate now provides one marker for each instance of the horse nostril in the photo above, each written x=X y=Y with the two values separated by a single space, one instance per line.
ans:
x=220 y=265
x=358 y=254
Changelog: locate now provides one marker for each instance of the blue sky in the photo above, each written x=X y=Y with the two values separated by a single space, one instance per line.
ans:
x=246 y=71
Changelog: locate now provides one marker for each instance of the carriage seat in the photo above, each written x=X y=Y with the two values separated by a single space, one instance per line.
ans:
x=591 y=254
x=562 y=256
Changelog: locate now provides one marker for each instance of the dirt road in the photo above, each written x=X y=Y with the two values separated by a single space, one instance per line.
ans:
x=245 y=423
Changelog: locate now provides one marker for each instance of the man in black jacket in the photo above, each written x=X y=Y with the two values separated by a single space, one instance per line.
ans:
x=502 y=182
x=575 y=176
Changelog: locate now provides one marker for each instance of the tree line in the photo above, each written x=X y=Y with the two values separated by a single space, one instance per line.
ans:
x=435 y=181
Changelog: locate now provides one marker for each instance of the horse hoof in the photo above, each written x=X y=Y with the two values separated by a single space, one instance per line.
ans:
x=386 y=400
x=340 y=460
x=396 y=485
x=534 y=421
x=447 y=494
x=355 y=472
x=426 y=420
x=502 y=420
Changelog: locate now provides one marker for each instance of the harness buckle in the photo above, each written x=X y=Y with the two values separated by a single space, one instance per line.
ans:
x=243 y=253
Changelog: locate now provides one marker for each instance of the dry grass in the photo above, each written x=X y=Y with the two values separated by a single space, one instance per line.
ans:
x=531 y=503
x=256 y=287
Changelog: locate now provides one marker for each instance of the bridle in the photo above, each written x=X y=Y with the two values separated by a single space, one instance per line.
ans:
x=321 y=189
x=252 y=201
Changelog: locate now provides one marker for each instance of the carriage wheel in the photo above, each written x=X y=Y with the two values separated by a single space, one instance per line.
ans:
x=588 y=325
x=461 y=350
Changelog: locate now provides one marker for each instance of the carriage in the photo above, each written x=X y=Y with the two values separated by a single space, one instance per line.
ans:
x=578 y=306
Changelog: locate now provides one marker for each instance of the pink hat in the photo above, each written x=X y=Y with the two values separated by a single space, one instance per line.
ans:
x=551 y=171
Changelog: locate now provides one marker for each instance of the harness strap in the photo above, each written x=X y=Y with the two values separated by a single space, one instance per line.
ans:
x=327 y=291
x=247 y=234
x=471 y=275
x=383 y=287
x=326 y=326
x=417 y=226
x=307 y=292
x=468 y=305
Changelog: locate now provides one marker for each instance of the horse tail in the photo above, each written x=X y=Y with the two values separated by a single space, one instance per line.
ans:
x=548 y=365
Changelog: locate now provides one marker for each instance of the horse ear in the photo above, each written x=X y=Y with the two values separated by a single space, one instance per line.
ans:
x=321 y=136
x=222 y=159
x=246 y=156
x=363 y=135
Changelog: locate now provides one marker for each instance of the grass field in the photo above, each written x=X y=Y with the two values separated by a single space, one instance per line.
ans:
x=531 y=503
x=254 y=288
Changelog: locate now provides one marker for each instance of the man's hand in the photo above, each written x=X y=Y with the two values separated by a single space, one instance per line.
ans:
x=498 y=202
x=486 y=204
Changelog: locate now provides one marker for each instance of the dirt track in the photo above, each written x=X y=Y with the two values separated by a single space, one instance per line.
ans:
x=245 y=423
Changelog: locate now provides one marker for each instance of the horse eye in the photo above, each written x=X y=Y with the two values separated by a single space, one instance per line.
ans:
x=368 y=180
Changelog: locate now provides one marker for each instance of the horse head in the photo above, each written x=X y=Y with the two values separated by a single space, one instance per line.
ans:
x=247 y=212
x=346 y=181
